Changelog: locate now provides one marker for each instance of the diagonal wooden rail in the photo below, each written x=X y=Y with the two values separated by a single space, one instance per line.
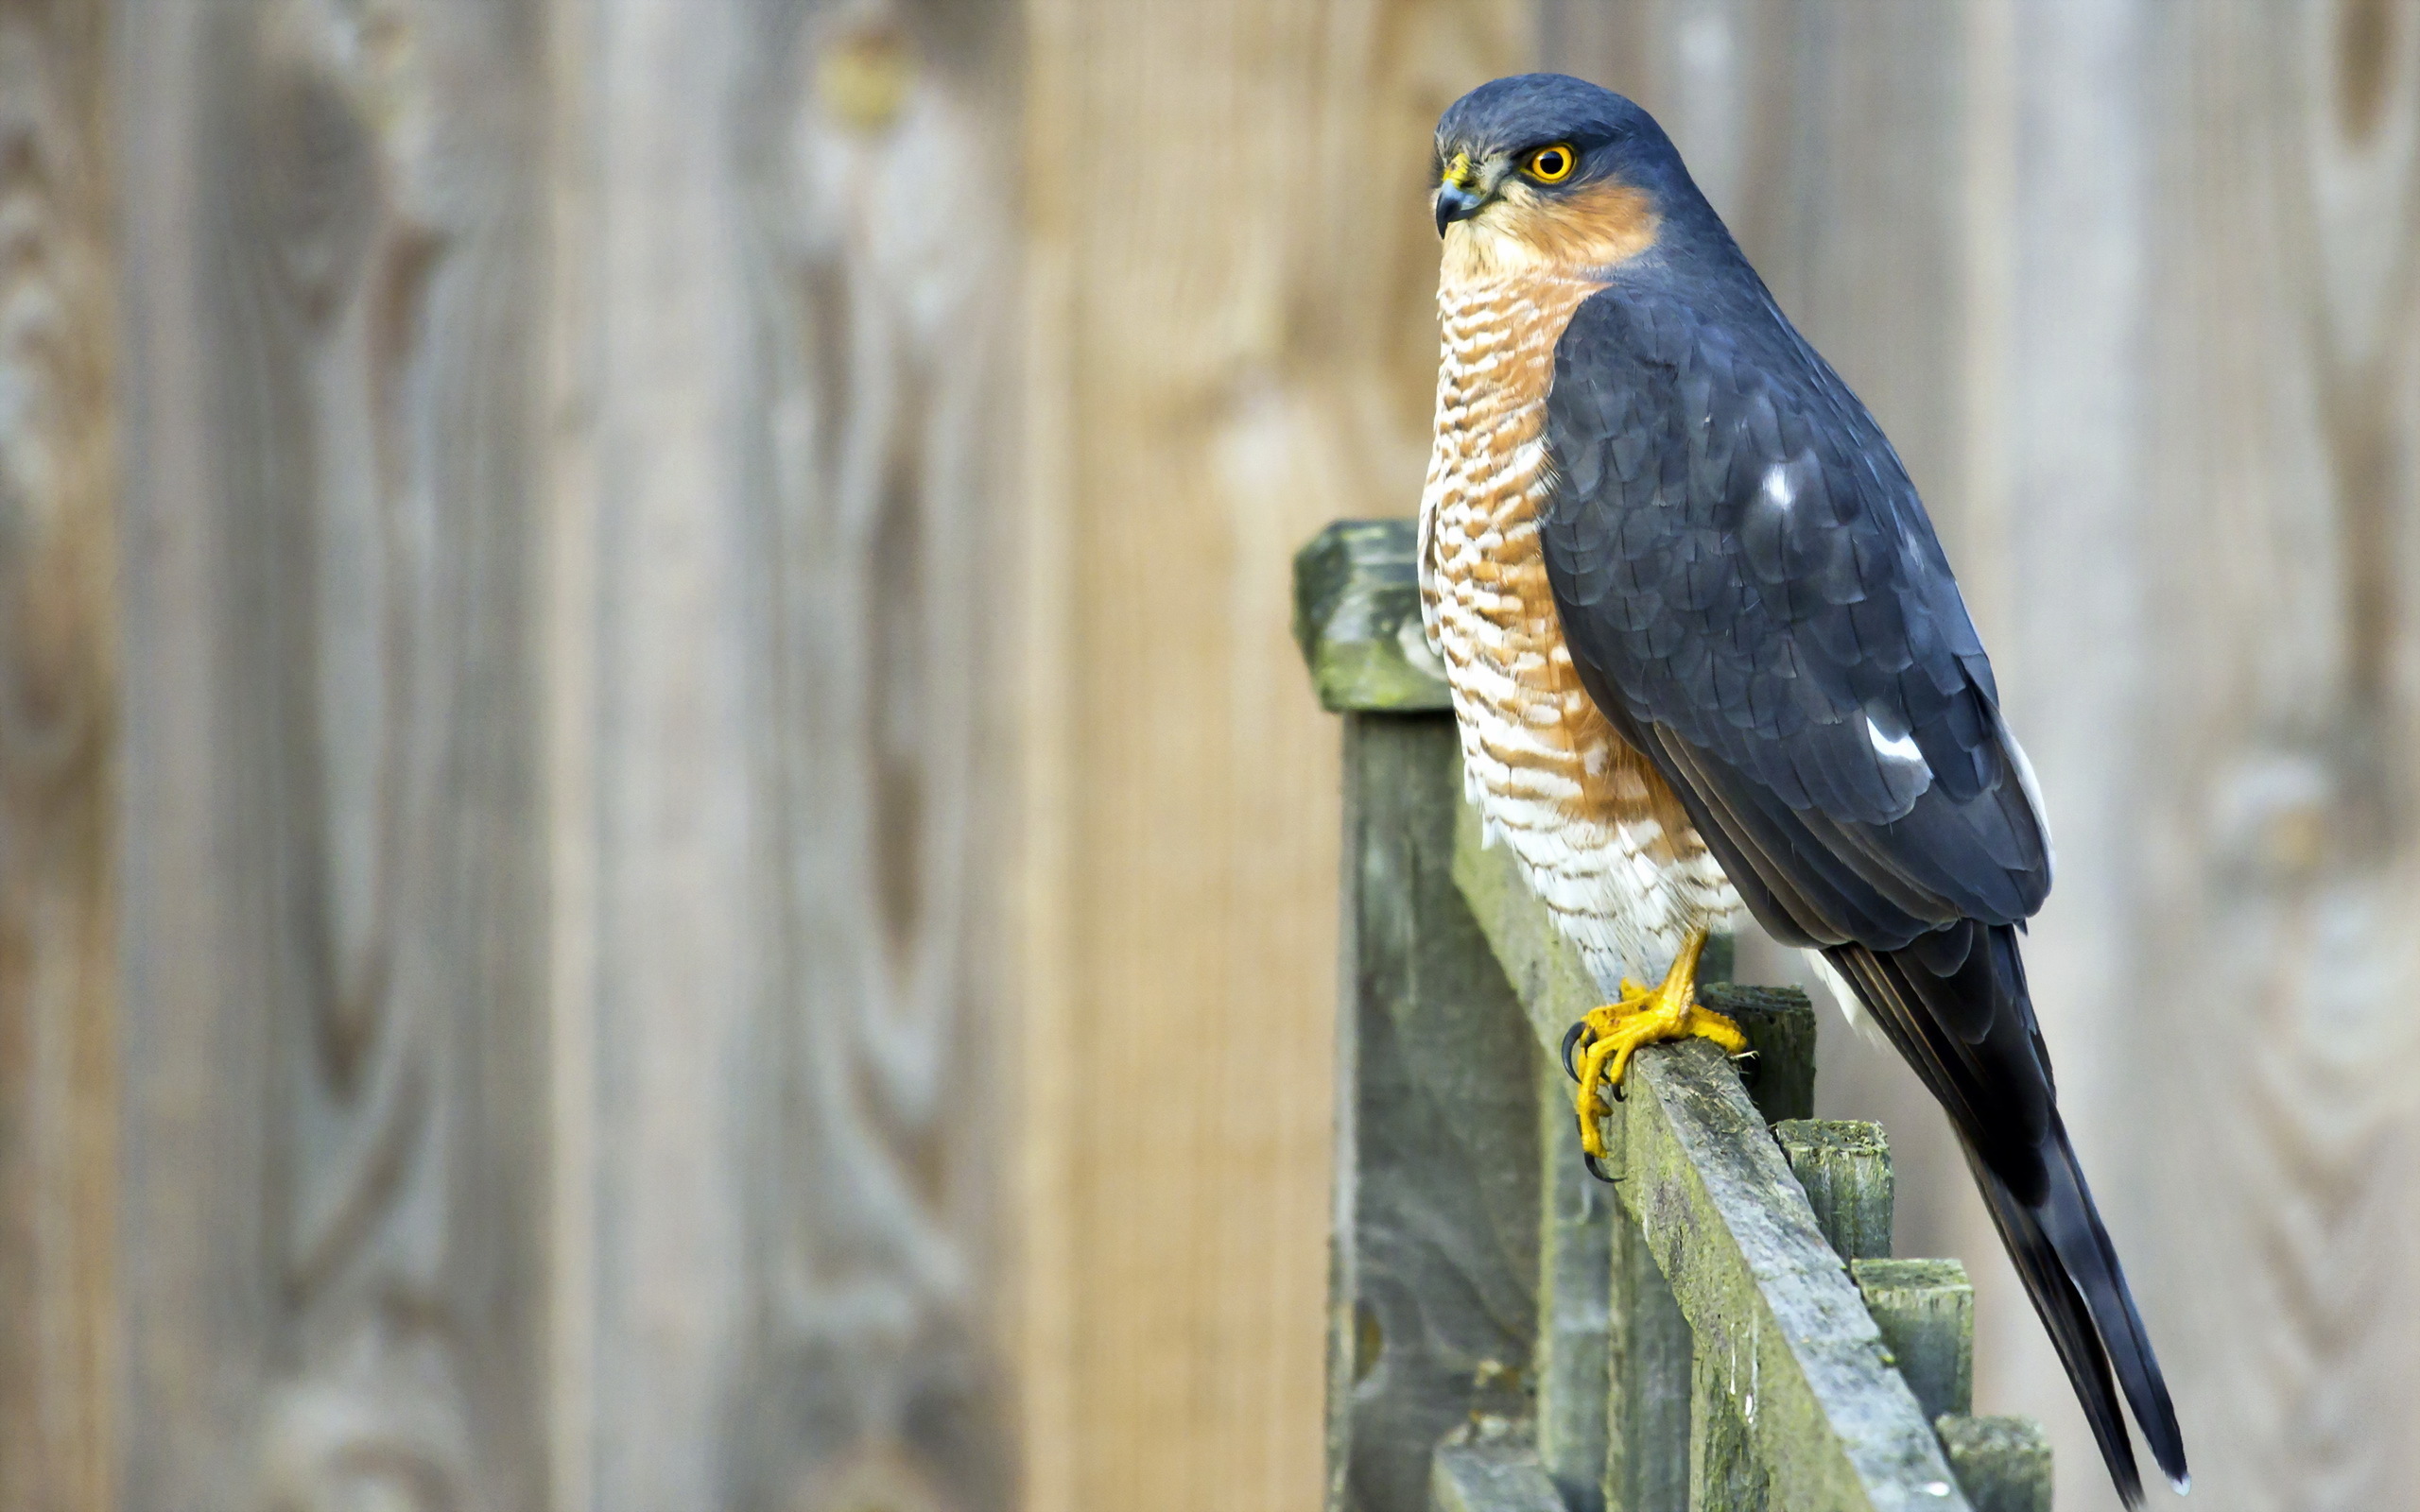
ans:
x=1720 y=1331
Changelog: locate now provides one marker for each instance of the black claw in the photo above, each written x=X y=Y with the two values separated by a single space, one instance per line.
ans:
x=1571 y=1038
x=1619 y=1095
x=1594 y=1169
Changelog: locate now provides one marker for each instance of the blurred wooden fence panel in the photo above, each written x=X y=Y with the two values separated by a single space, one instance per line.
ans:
x=58 y=626
x=798 y=259
x=1234 y=341
x=332 y=1036
x=2279 y=739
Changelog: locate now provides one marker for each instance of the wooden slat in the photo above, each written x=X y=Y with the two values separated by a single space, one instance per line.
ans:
x=333 y=1036
x=787 y=875
x=2003 y=1463
x=1432 y=1312
x=58 y=755
x=1357 y=618
x=1649 y=1406
x=1844 y=1165
x=1575 y=1300
x=1926 y=1311
x=2255 y=1105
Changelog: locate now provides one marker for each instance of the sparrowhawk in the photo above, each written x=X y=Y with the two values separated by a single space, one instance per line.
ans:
x=1706 y=652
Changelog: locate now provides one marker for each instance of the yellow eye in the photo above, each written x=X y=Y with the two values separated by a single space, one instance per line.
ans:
x=1552 y=164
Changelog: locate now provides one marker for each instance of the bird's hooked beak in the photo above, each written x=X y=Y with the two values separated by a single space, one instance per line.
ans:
x=1458 y=194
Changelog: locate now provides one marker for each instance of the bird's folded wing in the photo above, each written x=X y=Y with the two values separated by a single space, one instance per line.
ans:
x=1749 y=584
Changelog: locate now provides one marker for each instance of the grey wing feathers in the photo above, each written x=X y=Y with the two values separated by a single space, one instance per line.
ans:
x=1743 y=568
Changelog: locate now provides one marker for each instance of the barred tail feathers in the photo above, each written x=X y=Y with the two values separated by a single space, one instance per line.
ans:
x=1955 y=1005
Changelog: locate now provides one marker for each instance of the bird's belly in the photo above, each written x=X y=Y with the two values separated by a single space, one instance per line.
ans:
x=1602 y=840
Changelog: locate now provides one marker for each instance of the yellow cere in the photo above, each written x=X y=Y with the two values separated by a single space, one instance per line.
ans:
x=1459 y=172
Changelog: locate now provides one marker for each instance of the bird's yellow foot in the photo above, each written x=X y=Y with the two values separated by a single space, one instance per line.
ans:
x=1608 y=1036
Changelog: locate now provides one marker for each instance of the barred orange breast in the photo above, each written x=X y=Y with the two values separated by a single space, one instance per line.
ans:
x=1602 y=839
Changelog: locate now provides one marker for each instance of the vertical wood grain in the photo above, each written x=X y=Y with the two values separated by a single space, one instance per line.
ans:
x=804 y=445
x=334 y=951
x=1227 y=207
x=2282 y=859
x=58 y=733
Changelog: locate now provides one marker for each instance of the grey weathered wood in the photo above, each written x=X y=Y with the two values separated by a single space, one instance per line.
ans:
x=1844 y=1165
x=1772 y=1316
x=1575 y=1294
x=1925 y=1310
x=1490 y=1477
x=335 y=928
x=2002 y=1463
x=1357 y=617
x=1613 y=1403
x=1435 y=1267
x=784 y=931
x=1650 y=1354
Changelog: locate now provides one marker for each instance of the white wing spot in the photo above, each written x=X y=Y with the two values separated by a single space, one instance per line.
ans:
x=1893 y=748
x=1778 y=488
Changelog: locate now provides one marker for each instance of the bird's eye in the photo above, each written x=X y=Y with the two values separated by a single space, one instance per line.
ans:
x=1551 y=165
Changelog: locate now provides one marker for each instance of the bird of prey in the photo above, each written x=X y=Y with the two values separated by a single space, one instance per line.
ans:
x=1706 y=652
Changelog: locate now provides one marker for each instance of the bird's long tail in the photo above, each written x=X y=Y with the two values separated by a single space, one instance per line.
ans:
x=1955 y=1004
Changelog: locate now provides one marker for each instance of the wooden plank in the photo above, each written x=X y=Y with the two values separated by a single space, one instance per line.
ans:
x=793 y=852
x=1926 y=1311
x=1844 y=1165
x=1781 y=1336
x=1489 y=1477
x=1652 y=1358
x=1768 y=1304
x=58 y=755
x=1433 y=1313
x=1575 y=1296
x=2003 y=1463
x=1219 y=371
x=335 y=932
x=2262 y=1064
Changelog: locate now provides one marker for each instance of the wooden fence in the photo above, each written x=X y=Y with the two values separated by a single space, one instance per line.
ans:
x=1722 y=1326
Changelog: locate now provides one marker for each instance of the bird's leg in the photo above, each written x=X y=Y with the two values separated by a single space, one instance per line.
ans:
x=1644 y=1016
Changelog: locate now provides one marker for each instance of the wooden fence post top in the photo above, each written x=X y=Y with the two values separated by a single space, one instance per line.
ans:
x=1357 y=616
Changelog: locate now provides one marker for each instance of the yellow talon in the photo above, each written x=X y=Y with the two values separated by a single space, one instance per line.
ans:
x=1645 y=1016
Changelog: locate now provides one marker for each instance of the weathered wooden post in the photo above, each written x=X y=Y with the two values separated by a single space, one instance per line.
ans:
x=1432 y=1315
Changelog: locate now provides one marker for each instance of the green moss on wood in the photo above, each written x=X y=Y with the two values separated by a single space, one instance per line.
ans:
x=1925 y=1310
x=1845 y=1167
x=2003 y=1463
x=1782 y=1338
x=1357 y=617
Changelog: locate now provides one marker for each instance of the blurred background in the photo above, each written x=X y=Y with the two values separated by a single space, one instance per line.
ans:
x=661 y=846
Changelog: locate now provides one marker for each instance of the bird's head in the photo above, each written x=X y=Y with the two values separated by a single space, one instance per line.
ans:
x=1544 y=171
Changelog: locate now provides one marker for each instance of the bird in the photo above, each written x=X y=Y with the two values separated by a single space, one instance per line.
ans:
x=1706 y=654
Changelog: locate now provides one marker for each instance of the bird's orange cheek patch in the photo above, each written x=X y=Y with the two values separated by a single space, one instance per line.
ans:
x=1597 y=226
